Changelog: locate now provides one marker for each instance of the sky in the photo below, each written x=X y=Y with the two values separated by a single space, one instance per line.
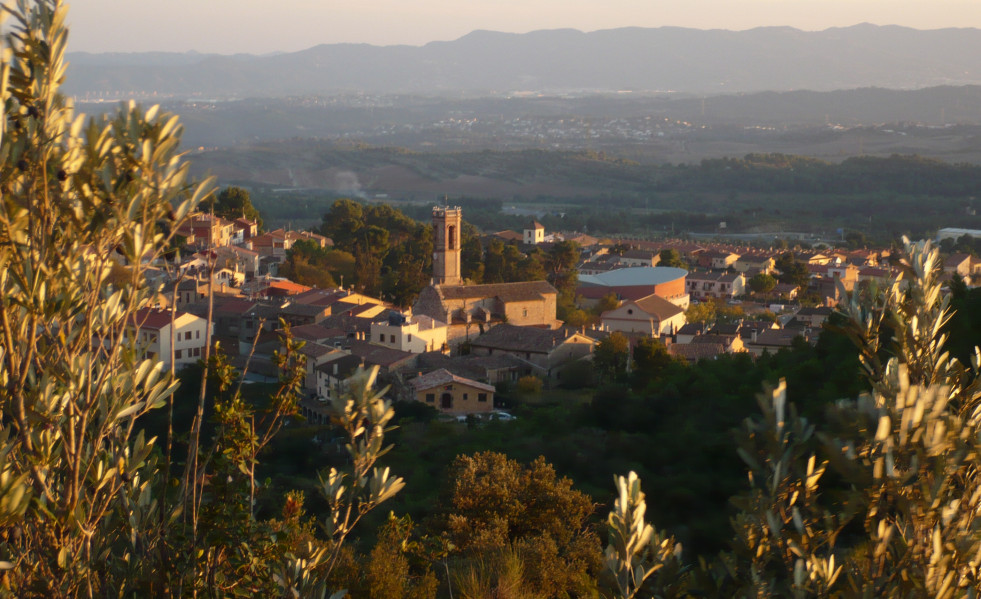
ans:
x=264 y=26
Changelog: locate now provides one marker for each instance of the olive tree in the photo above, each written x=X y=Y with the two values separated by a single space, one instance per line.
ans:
x=86 y=508
x=76 y=199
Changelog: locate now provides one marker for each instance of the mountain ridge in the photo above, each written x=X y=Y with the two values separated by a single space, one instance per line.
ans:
x=559 y=61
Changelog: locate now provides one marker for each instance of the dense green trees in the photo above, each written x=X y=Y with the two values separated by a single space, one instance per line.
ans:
x=762 y=283
x=612 y=358
x=671 y=257
x=231 y=203
x=494 y=504
x=309 y=264
x=793 y=271
x=392 y=253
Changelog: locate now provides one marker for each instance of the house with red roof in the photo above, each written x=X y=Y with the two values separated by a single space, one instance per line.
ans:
x=157 y=331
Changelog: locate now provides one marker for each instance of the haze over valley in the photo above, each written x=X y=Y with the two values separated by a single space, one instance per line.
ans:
x=458 y=118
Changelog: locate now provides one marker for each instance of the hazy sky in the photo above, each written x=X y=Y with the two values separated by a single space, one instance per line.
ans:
x=260 y=26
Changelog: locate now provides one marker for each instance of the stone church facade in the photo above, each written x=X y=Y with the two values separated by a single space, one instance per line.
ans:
x=472 y=308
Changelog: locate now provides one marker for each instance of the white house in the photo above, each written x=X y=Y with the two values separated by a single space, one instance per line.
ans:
x=152 y=329
x=534 y=233
x=414 y=334
x=703 y=285
x=652 y=315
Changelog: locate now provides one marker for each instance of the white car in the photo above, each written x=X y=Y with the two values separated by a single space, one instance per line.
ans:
x=498 y=415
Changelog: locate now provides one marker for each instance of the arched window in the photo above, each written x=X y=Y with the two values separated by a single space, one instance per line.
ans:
x=451 y=237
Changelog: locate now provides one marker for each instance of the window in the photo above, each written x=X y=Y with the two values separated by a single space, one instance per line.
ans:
x=430 y=398
x=410 y=337
x=177 y=355
x=525 y=313
x=187 y=336
x=381 y=337
x=391 y=338
x=464 y=397
x=197 y=334
x=482 y=397
x=451 y=237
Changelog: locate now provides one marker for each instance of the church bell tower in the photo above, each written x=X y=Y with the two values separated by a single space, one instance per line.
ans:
x=446 y=245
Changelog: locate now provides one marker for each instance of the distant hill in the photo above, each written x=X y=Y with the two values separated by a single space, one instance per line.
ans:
x=484 y=62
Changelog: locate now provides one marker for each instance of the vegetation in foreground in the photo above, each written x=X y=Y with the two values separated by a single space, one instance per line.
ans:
x=880 y=502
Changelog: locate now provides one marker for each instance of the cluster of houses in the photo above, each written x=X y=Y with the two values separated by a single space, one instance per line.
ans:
x=459 y=340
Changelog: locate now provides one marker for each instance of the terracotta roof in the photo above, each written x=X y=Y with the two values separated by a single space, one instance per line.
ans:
x=715 y=339
x=323 y=297
x=316 y=350
x=956 y=259
x=470 y=366
x=233 y=306
x=775 y=338
x=693 y=352
x=692 y=328
x=313 y=332
x=718 y=254
x=285 y=288
x=236 y=250
x=346 y=364
x=726 y=328
x=639 y=254
x=509 y=235
x=510 y=337
x=872 y=271
x=304 y=309
x=442 y=376
x=719 y=277
x=658 y=306
x=152 y=319
x=506 y=292
x=380 y=355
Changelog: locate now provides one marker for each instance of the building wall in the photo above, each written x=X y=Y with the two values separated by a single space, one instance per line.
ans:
x=190 y=338
x=534 y=236
x=446 y=245
x=746 y=264
x=641 y=322
x=532 y=312
x=573 y=348
x=463 y=398
x=408 y=337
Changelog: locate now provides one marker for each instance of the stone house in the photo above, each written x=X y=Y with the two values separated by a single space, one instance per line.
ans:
x=453 y=394
x=545 y=352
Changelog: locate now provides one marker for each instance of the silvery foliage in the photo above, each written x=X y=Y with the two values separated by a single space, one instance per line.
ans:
x=78 y=200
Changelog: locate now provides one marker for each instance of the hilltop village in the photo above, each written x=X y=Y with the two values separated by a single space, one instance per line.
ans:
x=458 y=340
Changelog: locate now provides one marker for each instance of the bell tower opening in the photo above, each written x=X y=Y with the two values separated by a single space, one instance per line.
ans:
x=446 y=245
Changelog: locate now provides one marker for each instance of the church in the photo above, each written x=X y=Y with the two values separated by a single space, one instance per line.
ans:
x=470 y=309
